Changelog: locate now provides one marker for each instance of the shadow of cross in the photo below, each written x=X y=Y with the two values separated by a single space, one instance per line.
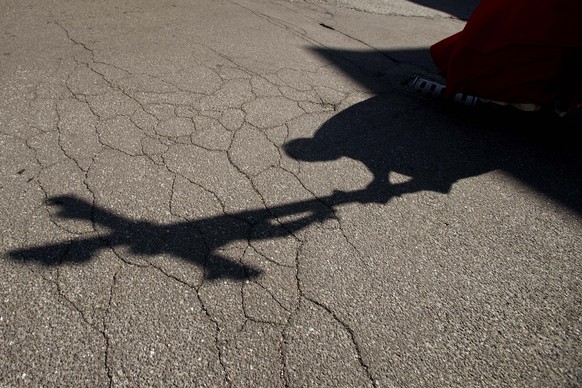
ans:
x=196 y=241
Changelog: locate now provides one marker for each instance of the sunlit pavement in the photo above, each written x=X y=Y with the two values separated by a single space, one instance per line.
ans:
x=247 y=193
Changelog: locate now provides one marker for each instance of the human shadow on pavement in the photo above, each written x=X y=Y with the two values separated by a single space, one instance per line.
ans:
x=436 y=142
x=387 y=136
x=432 y=145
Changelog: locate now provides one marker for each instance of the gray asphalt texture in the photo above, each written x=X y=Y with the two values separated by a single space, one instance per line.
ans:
x=248 y=193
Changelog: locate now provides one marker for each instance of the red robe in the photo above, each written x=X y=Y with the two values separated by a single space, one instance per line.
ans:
x=516 y=51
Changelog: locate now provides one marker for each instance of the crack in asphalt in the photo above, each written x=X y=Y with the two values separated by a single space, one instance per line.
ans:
x=352 y=335
x=287 y=327
x=346 y=327
x=62 y=294
x=211 y=319
x=105 y=321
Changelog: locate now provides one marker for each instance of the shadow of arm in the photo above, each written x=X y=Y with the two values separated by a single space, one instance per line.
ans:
x=54 y=254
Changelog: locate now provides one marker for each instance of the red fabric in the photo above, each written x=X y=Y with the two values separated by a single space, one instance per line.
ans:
x=516 y=51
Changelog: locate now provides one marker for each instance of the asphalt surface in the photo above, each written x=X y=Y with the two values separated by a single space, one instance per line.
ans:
x=247 y=193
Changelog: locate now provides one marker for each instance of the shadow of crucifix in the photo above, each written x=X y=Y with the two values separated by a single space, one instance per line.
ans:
x=197 y=241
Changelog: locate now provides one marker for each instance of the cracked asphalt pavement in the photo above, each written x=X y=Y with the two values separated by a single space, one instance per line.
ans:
x=247 y=193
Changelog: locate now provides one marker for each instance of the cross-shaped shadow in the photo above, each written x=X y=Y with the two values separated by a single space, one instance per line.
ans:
x=196 y=241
